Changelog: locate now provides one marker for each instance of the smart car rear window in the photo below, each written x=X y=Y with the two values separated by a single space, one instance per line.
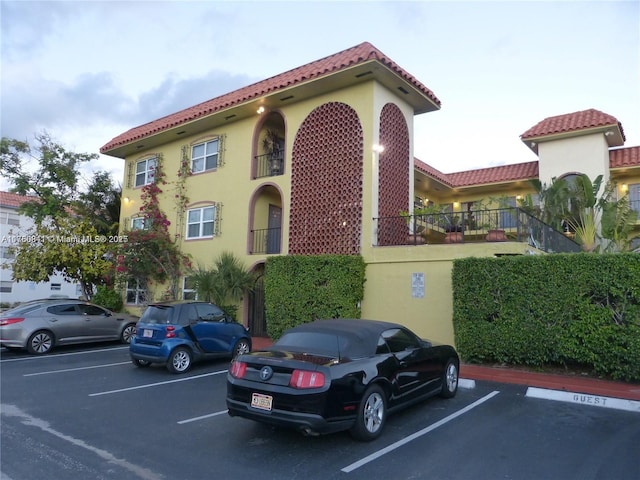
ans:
x=158 y=314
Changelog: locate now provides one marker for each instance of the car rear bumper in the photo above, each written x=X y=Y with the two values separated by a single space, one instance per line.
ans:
x=6 y=342
x=307 y=423
x=149 y=353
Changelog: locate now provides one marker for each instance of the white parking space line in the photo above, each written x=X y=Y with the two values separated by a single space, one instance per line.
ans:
x=137 y=470
x=584 y=399
x=56 y=355
x=424 y=431
x=202 y=417
x=148 y=385
x=75 y=369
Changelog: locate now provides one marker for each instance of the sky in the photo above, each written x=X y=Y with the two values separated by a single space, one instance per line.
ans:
x=86 y=71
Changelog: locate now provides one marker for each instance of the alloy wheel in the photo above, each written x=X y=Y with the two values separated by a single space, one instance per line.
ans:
x=373 y=412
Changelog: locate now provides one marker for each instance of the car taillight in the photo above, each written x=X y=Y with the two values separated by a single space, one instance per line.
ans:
x=10 y=321
x=171 y=332
x=306 y=379
x=238 y=369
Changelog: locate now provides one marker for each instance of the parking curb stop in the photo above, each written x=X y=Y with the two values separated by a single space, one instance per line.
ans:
x=584 y=399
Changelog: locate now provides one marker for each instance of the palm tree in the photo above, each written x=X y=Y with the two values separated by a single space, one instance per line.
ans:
x=225 y=284
x=204 y=281
x=232 y=278
x=600 y=223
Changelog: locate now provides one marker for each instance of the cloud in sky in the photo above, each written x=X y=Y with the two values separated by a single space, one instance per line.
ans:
x=88 y=71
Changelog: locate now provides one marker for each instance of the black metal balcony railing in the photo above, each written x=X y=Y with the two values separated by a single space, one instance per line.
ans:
x=266 y=240
x=505 y=224
x=269 y=164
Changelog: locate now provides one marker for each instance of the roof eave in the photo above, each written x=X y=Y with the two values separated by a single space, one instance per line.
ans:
x=612 y=134
x=372 y=69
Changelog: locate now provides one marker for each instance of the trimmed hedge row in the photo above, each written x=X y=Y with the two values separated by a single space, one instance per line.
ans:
x=552 y=309
x=300 y=289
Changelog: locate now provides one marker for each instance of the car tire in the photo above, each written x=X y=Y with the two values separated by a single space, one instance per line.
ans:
x=140 y=363
x=242 y=346
x=449 y=379
x=372 y=415
x=128 y=332
x=179 y=360
x=40 y=342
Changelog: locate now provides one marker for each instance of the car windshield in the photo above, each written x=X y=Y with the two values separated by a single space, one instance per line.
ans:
x=327 y=344
x=157 y=314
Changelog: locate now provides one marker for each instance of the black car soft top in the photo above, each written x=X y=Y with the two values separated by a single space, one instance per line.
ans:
x=359 y=337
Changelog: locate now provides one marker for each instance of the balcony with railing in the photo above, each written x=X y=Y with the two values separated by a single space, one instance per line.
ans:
x=504 y=224
x=266 y=240
x=270 y=164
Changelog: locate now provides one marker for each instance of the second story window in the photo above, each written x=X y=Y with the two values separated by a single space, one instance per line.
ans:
x=145 y=171
x=137 y=223
x=200 y=222
x=204 y=156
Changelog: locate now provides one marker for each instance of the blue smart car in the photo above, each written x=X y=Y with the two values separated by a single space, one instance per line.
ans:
x=180 y=333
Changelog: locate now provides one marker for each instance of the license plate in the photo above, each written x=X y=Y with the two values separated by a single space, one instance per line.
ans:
x=147 y=333
x=263 y=402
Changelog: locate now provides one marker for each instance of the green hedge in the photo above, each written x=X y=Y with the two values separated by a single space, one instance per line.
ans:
x=300 y=289
x=552 y=309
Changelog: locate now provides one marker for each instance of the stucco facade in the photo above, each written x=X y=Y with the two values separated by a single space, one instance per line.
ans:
x=305 y=163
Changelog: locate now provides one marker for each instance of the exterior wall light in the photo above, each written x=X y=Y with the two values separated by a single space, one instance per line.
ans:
x=624 y=187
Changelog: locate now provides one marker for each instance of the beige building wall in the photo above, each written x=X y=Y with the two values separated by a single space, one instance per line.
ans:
x=393 y=291
x=588 y=154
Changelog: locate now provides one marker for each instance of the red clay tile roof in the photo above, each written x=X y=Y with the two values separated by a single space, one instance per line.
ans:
x=347 y=58
x=12 y=200
x=624 y=157
x=504 y=173
x=482 y=176
x=572 y=122
x=432 y=172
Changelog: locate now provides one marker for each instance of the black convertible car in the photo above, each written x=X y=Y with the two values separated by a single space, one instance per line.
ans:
x=339 y=374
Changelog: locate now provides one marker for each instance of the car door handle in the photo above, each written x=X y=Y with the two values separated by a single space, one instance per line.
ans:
x=404 y=364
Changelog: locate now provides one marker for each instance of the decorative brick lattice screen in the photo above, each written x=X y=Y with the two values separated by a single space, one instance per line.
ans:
x=394 y=165
x=326 y=183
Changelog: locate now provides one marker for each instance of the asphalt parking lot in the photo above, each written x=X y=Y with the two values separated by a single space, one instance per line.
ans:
x=88 y=413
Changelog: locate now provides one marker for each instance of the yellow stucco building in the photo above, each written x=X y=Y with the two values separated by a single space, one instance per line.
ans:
x=319 y=159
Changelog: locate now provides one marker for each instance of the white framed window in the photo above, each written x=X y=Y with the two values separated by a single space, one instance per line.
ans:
x=9 y=218
x=136 y=292
x=145 y=171
x=200 y=222
x=189 y=289
x=137 y=223
x=6 y=287
x=56 y=287
x=204 y=156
